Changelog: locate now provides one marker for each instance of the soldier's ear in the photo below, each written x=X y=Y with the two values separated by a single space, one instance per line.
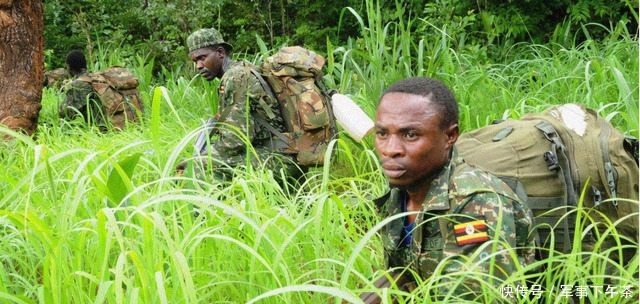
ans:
x=221 y=50
x=452 y=133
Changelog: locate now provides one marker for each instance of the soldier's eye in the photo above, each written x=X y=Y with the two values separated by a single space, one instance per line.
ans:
x=410 y=134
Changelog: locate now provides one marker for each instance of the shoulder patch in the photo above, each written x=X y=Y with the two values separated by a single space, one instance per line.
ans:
x=472 y=232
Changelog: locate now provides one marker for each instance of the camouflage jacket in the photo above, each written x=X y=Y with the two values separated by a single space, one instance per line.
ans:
x=81 y=100
x=464 y=212
x=241 y=100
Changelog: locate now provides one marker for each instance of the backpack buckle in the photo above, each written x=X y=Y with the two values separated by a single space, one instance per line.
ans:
x=551 y=159
x=597 y=196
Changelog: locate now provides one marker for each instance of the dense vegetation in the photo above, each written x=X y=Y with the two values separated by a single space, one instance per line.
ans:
x=161 y=27
x=90 y=217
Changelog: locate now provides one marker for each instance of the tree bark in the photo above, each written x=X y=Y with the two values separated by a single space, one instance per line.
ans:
x=21 y=63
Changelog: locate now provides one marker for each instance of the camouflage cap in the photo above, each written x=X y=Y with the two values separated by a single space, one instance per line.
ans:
x=206 y=37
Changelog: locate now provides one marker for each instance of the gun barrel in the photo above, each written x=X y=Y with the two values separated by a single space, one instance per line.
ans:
x=200 y=146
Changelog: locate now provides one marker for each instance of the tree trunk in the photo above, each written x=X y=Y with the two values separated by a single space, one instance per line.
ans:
x=21 y=63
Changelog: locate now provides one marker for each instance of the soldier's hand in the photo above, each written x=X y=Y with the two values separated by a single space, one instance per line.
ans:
x=181 y=167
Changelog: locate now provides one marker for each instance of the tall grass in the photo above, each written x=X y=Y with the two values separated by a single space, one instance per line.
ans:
x=90 y=217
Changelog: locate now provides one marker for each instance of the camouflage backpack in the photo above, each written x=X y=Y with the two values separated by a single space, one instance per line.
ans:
x=293 y=76
x=117 y=89
x=55 y=78
x=553 y=156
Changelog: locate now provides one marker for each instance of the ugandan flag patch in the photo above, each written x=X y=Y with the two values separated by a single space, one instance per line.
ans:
x=471 y=232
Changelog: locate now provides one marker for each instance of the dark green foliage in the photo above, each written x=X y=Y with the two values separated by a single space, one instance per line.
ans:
x=157 y=29
x=492 y=26
x=148 y=28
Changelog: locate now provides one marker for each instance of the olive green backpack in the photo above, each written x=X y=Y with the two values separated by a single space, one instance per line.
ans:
x=556 y=157
x=293 y=76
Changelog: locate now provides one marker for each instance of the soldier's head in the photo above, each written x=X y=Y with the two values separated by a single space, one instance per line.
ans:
x=416 y=127
x=209 y=52
x=76 y=63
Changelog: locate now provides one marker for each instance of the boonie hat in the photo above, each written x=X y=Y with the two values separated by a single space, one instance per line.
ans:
x=206 y=37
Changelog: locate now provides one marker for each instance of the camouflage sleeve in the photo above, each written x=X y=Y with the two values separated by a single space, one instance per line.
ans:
x=241 y=95
x=76 y=99
x=478 y=240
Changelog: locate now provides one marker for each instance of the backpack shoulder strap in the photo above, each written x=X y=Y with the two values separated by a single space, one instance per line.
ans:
x=264 y=84
x=557 y=160
x=328 y=94
x=286 y=142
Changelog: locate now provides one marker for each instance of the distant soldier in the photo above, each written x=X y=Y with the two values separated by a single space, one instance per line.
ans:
x=76 y=63
x=79 y=99
x=108 y=99
x=458 y=208
x=241 y=100
x=76 y=66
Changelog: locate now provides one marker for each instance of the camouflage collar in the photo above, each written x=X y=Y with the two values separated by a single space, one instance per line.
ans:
x=437 y=197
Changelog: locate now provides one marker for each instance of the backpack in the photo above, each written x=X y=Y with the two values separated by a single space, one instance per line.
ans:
x=56 y=77
x=117 y=90
x=293 y=76
x=549 y=158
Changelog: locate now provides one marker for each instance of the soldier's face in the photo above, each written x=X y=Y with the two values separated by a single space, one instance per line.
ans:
x=208 y=62
x=409 y=140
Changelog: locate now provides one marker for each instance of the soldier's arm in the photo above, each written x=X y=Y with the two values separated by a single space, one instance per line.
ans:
x=398 y=278
x=479 y=241
x=237 y=126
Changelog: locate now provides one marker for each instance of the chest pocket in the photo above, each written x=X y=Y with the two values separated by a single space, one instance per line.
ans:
x=432 y=250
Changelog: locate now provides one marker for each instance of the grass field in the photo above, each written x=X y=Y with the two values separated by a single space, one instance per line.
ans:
x=87 y=217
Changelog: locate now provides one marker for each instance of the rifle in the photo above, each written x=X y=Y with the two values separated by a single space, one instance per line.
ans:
x=399 y=278
x=200 y=146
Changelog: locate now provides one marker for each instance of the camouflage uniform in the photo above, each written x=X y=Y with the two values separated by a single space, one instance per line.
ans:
x=468 y=202
x=80 y=99
x=241 y=100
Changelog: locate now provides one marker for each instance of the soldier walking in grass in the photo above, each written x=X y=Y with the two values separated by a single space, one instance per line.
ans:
x=242 y=100
x=460 y=220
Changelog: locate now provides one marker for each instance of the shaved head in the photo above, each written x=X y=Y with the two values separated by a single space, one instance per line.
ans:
x=435 y=91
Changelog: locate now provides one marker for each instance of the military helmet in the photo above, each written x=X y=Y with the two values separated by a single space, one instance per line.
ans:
x=204 y=38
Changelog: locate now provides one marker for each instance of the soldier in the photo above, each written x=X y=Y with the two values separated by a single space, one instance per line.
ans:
x=76 y=66
x=109 y=98
x=76 y=63
x=79 y=96
x=241 y=100
x=453 y=209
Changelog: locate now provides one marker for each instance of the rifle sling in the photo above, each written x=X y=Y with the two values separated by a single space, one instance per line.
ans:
x=262 y=122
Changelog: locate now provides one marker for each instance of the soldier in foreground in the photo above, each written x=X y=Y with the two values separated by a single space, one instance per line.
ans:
x=460 y=220
x=241 y=99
